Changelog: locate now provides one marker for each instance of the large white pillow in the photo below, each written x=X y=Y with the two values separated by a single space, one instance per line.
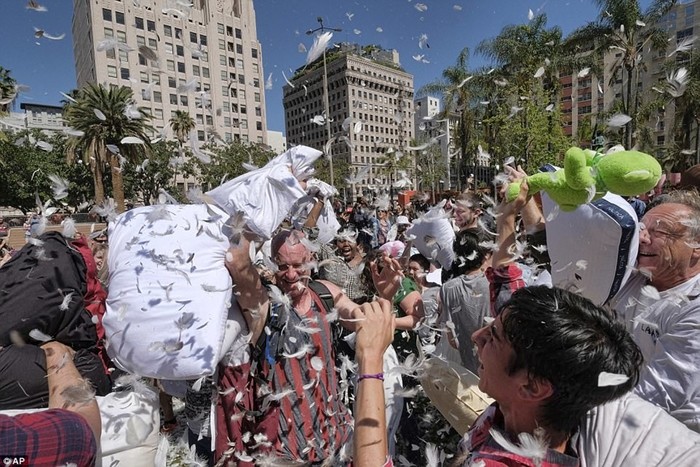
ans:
x=266 y=195
x=169 y=291
x=593 y=248
x=633 y=432
x=433 y=236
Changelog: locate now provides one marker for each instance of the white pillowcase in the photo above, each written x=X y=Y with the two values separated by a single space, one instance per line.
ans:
x=433 y=236
x=592 y=249
x=169 y=291
x=266 y=195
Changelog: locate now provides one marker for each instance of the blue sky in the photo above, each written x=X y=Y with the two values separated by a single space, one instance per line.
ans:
x=47 y=66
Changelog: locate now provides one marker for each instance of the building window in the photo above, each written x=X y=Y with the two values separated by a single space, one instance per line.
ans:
x=168 y=31
x=124 y=73
x=145 y=95
x=239 y=63
x=227 y=121
x=222 y=44
x=203 y=39
x=151 y=25
x=173 y=99
x=244 y=109
x=258 y=126
x=258 y=112
x=257 y=97
x=119 y=17
x=227 y=106
x=241 y=79
x=229 y=31
x=124 y=56
x=220 y=28
x=254 y=52
x=224 y=75
x=144 y=76
x=121 y=37
x=222 y=60
x=180 y=50
x=170 y=65
x=205 y=72
x=244 y=124
x=239 y=34
x=172 y=83
x=195 y=70
x=157 y=97
x=106 y=14
x=231 y=62
x=224 y=91
x=660 y=140
x=138 y=22
x=239 y=48
x=183 y=100
x=200 y=135
x=158 y=113
x=210 y=120
x=140 y=40
x=180 y=67
x=256 y=82
x=178 y=33
x=111 y=71
x=168 y=48
x=193 y=37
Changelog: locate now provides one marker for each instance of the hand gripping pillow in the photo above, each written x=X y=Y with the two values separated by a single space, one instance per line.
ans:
x=169 y=291
x=433 y=236
x=266 y=195
x=592 y=248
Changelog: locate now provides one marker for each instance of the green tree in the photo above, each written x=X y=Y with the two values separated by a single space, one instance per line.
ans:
x=627 y=31
x=226 y=163
x=182 y=124
x=8 y=90
x=143 y=182
x=26 y=170
x=456 y=92
x=102 y=115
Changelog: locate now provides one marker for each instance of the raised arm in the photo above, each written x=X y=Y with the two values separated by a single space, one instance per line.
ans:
x=248 y=288
x=374 y=334
x=67 y=389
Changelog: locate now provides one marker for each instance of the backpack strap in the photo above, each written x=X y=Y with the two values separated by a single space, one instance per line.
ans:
x=324 y=294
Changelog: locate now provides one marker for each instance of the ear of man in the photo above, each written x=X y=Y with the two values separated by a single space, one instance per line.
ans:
x=535 y=389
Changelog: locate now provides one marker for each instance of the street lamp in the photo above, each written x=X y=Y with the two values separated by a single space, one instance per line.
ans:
x=326 y=106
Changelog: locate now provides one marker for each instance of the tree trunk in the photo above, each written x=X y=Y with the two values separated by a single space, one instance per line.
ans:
x=628 y=110
x=117 y=183
x=97 y=173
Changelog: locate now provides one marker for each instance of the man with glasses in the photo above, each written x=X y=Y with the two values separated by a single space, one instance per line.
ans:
x=660 y=306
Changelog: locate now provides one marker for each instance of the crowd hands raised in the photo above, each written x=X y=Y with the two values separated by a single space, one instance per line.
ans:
x=359 y=346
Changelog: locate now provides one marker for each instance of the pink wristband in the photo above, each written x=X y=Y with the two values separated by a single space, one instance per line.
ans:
x=379 y=376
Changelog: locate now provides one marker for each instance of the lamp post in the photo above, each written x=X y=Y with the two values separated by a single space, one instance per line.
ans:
x=326 y=107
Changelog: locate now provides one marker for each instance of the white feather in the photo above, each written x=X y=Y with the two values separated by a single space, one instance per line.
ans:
x=532 y=447
x=320 y=43
x=611 y=379
x=39 y=336
x=619 y=120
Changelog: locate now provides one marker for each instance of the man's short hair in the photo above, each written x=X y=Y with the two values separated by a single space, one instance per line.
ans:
x=689 y=198
x=470 y=200
x=565 y=339
x=421 y=260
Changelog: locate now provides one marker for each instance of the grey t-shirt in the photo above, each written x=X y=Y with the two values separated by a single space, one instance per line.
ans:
x=465 y=302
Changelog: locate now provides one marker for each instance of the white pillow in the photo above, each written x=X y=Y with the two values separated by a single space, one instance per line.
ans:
x=631 y=431
x=130 y=427
x=593 y=248
x=433 y=236
x=169 y=291
x=266 y=195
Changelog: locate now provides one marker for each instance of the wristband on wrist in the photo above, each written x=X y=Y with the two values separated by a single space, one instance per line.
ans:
x=379 y=376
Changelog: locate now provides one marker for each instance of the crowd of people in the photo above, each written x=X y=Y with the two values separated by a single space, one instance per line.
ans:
x=338 y=333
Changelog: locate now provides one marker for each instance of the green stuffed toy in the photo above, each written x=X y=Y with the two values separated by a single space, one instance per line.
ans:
x=588 y=175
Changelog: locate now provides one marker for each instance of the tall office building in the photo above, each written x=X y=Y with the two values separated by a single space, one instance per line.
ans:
x=369 y=86
x=199 y=56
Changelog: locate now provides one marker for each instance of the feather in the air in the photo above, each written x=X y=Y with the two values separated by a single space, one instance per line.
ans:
x=320 y=43
x=611 y=379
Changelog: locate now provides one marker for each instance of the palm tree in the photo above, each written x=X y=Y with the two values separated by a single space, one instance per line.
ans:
x=623 y=29
x=8 y=90
x=101 y=114
x=455 y=89
x=182 y=124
